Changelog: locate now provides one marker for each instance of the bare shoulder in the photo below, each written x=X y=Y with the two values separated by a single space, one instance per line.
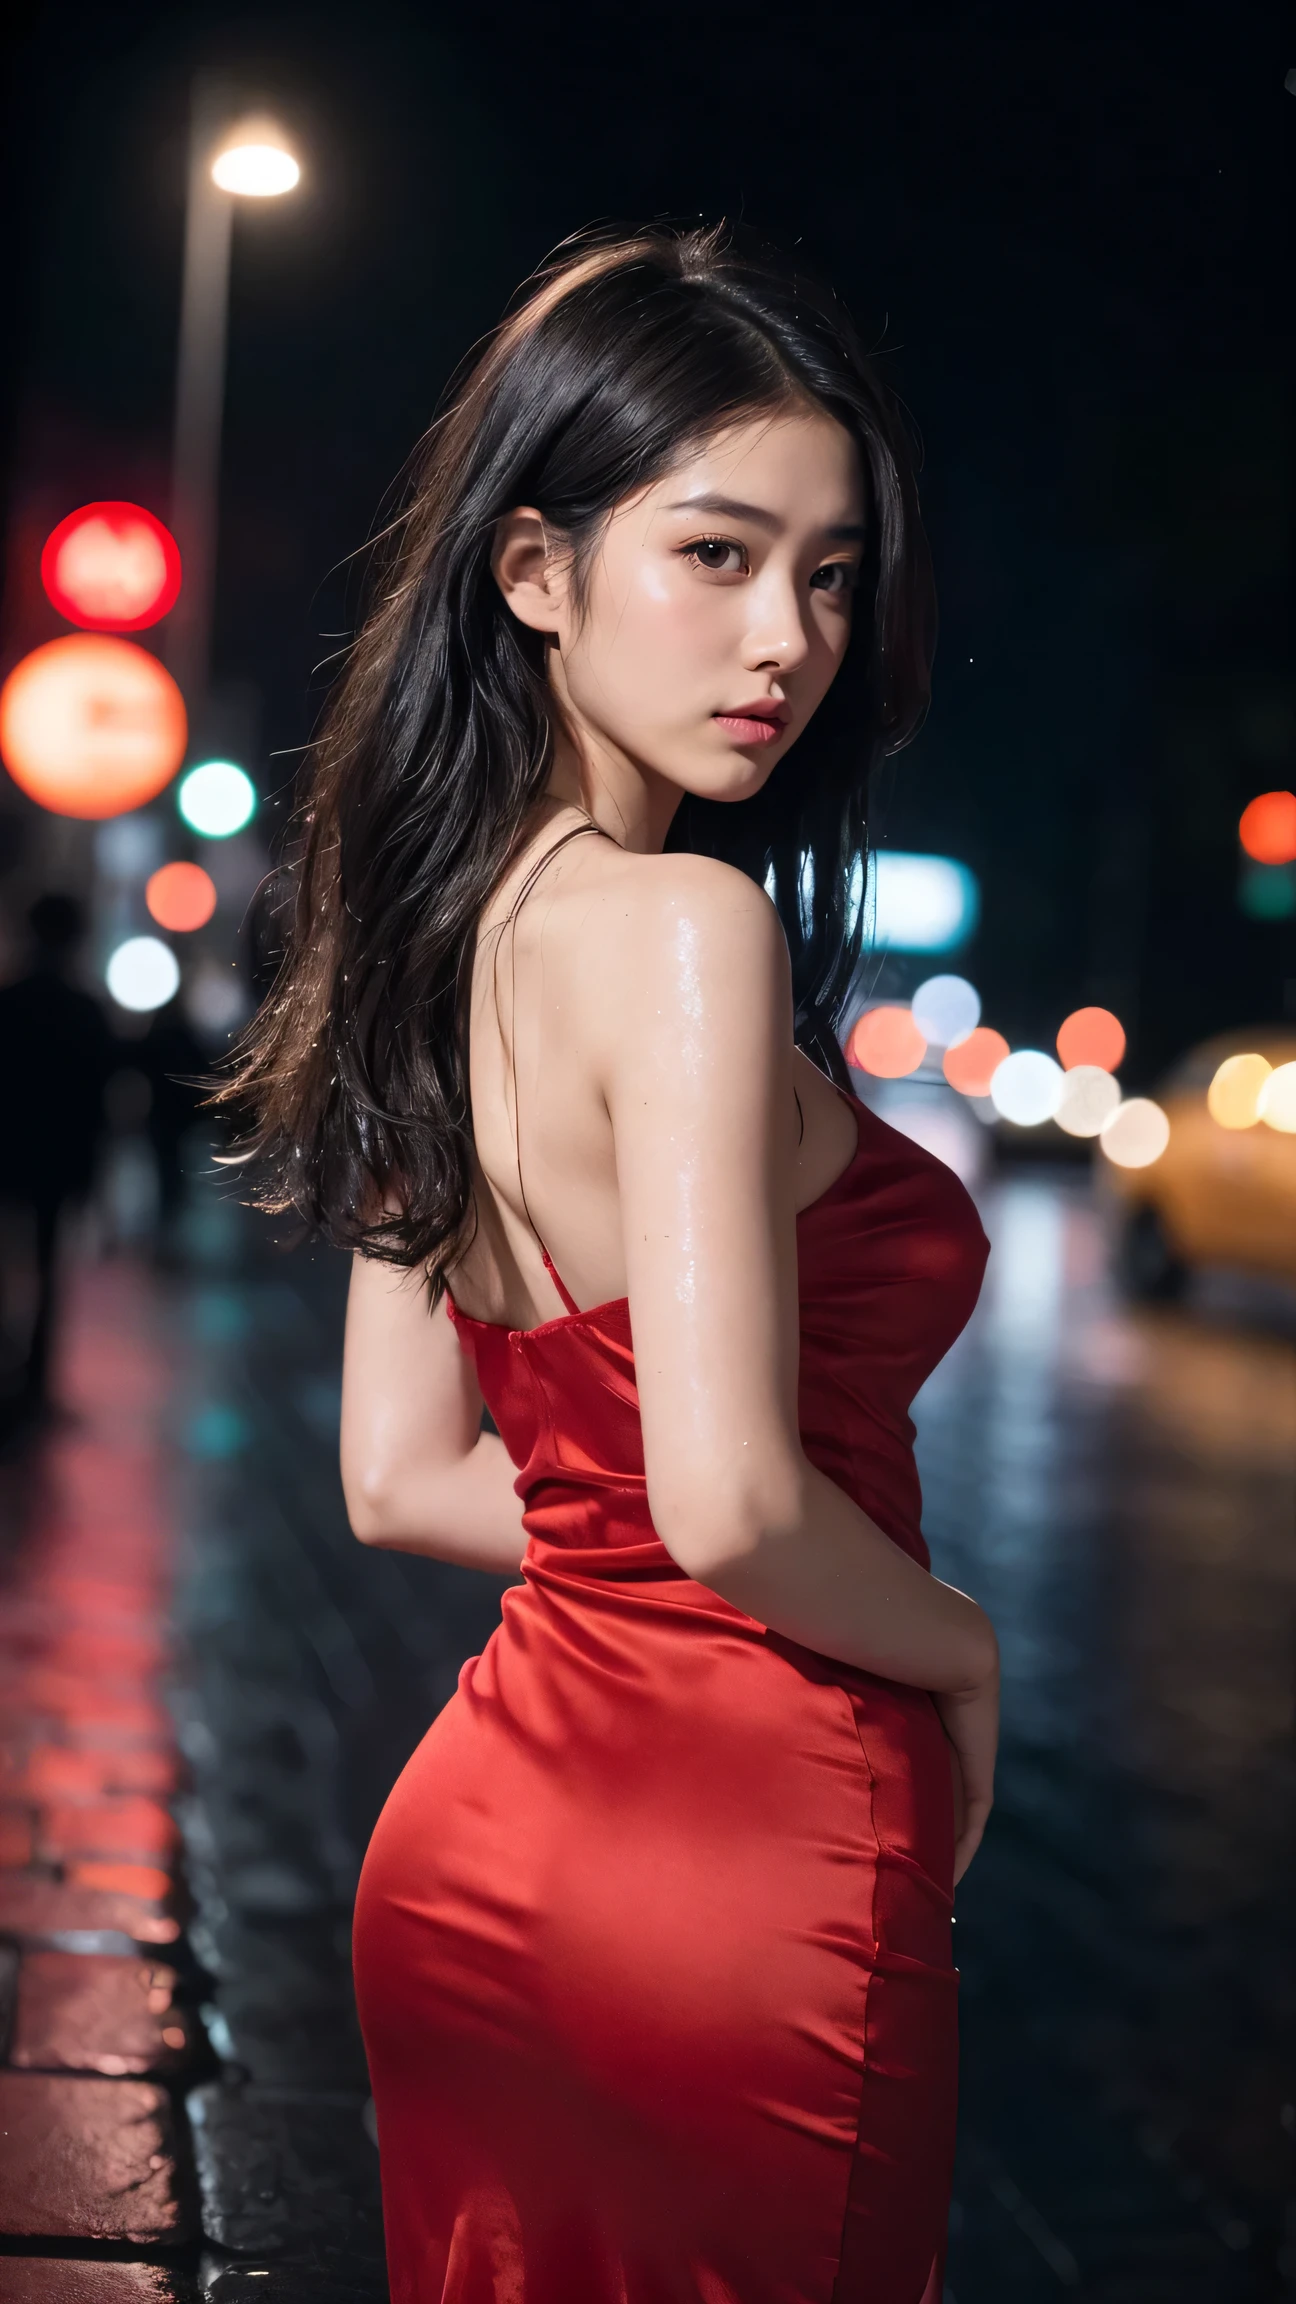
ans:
x=654 y=916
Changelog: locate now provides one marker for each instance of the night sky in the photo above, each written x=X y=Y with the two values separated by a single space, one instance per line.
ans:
x=1067 y=233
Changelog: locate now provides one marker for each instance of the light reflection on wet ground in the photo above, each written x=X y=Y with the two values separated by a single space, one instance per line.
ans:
x=1118 y=1486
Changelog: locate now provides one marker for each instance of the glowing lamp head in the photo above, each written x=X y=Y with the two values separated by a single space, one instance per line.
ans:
x=181 y=897
x=217 y=799
x=1268 y=828
x=255 y=162
x=91 y=726
x=142 y=974
x=887 y=1043
x=111 y=568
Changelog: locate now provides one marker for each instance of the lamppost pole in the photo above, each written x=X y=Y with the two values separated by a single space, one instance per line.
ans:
x=228 y=160
x=200 y=397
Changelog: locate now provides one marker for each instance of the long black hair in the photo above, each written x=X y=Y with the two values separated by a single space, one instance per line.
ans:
x=622 y=355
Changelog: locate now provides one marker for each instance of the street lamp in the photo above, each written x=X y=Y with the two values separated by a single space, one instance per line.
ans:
x=246 y=159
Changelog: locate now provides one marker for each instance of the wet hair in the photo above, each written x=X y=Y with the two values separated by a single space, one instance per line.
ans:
x=621 y=357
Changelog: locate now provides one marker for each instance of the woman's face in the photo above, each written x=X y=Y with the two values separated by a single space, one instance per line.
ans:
x=717 y=609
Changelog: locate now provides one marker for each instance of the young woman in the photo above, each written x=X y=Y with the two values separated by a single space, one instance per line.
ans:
x=653 y=1939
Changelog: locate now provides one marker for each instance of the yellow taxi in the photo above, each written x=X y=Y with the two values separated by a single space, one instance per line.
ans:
x=1218 y=1194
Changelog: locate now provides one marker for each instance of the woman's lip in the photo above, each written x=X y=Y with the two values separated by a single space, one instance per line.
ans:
x=748 y=729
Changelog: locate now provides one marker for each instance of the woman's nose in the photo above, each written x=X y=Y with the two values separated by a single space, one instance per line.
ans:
x=777 y=638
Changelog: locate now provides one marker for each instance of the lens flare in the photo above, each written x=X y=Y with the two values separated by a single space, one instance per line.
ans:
x=1092 y=1036
x=1089 y=1098
x=181 y=897
x=1136 y=1134
x=1233 y=1097
x=887 y=1043
x=972 y=1065
x=1027 y=1088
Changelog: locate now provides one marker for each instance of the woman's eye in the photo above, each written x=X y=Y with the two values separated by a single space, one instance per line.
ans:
x=835 y=576
x=718 y=556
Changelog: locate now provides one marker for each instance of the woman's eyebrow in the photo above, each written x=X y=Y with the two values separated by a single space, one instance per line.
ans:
x=729 y=508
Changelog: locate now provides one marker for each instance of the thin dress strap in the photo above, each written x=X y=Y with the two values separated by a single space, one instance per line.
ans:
x=510 y=921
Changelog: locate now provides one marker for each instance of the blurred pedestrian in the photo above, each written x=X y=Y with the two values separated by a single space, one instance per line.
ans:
x=56 y=1051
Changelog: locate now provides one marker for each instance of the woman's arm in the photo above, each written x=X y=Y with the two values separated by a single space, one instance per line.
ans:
x=418 y=1472
x=698 y=1079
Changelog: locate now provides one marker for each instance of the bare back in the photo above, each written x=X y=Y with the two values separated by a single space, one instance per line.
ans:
x=547 y=1018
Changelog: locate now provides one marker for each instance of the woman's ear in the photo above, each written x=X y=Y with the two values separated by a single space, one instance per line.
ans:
x=532 y=578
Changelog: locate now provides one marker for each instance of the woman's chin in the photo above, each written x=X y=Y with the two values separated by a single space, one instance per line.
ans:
x=739 y=777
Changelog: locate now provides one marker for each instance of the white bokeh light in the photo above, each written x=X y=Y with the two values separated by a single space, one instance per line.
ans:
x=217 y=799
x=924 y=903
x=1277 y=1100
x=1136 y=1134
x=1027 y=1088
x=143 y=974
x=1089 y=1098
x=946 y=1009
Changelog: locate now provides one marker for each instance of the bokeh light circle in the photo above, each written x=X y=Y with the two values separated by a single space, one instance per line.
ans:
x=142 y=974
x=111 y=567
x=1092 y=1036
x=972 y=1065
x=1089 y=1097
x=887 y=1043
x=1027 y=1088
x=1233 y=1097
x=1267 y=830
x=945 y=1009
x=217 y=799
x=1276 y=1102
x=91 y=726
x=1136 y=1134
x=181 y=897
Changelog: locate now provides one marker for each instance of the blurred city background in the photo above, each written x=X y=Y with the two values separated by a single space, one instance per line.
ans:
x=247 y=248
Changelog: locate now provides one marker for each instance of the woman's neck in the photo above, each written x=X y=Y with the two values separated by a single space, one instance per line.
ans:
x=624 y=798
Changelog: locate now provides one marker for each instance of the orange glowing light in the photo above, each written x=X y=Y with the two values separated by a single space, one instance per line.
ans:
x=1267 y=830
x=972 y=1065
x=90 y=726
x=181 y=897
x=111 y=567
x=1091 y=1036
x=887 y=1043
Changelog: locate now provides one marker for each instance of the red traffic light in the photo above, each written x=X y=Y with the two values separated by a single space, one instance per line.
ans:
x=111 y=568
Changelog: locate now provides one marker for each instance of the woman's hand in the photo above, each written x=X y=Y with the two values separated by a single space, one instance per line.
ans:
x=970 y=1719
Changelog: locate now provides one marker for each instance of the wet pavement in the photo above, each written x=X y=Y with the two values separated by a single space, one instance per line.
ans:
x=188 y=1631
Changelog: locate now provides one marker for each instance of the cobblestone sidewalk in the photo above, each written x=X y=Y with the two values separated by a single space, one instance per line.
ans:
x=135 y=2160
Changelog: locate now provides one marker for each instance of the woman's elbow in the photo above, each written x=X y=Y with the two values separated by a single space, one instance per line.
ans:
x=367 y=1494
x=712 y=1533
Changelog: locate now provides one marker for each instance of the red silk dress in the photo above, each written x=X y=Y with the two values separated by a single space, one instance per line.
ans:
x=652 y=1942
